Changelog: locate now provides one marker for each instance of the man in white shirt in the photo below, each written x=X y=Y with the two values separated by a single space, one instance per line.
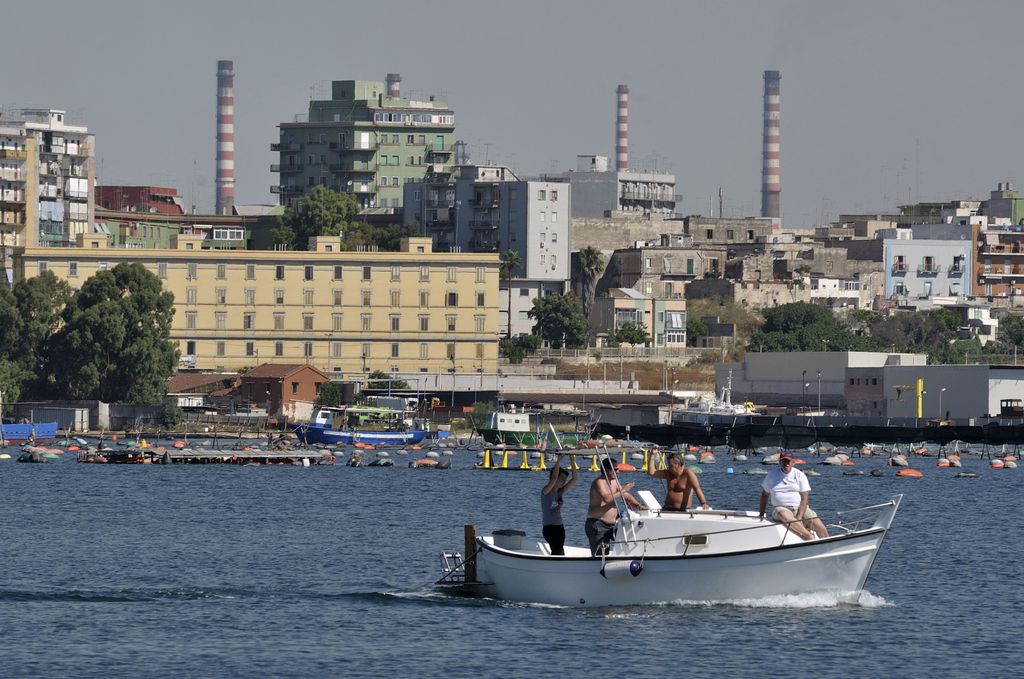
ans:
x=790 y=491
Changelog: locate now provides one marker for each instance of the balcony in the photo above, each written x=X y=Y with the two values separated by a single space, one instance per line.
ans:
x=1003 y=272
x=1005 y=249
x=440 y=203
x=483 y=246
x=16 y=154
x=353 y=167
x=483 y=224
x=286 y=146
x=287 y=168
x=438 y=225
x=434 y=150
x=930 y=270
x=956 y=271
x=286 y=189
x=899 y=269
x=370 y=147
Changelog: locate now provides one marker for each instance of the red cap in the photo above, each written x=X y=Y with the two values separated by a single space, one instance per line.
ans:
x=785 y=456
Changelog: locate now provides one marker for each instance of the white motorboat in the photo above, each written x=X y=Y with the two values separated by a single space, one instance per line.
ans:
x=661 y=557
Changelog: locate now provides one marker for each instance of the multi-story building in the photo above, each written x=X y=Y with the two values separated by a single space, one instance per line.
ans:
x=158 y=199
x=664 y=319
x=999 y=261
x=489 y=209
x=365 y=140
x=405 y=312
x=598 y=192
x=219 y=232
x=935 y=262
x=47 y=179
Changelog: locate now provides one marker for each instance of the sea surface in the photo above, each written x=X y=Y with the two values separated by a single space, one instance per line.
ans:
x=216 y=570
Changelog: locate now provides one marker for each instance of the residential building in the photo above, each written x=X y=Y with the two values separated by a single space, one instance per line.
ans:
x=598 y=192
x=409 y=312
x=284 y=390
x=662 y=268
x=999 y=262
x=664 y=319
x=158 y=199
x=489 y=209
x=47 y=179
x=925 y=268
x=366 y=141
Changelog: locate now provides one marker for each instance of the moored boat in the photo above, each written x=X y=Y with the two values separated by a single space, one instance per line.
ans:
x=23 y=433
x=525 y=429
x=371 y=425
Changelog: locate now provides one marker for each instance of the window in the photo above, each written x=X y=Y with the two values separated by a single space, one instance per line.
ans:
x=394 y=180
x=221 y=295
x=541 y=195
x=730 y=234
x=709 y=234
x=338 y=268
x=336 y=321
x=248 y=320
x=478 y=323
x=450 y=322
x=424 y=273
x=450 y=351
x=451 y=274
x=335 y=349
x=278 y=348
x=221 y=319
x=424 y=351
x=279 y=320
x=190 y=295
x=364 y=322
x=554 y=218
x=481 y=298
x=424 y=323
x=250 y=348
x=221 y=347
x=481 y=274
x=279 y=272
x=383 y=160
x=307 y=321
x=72 y=269
x=480 y=353
x=307 y=352
x=222 y=272
x=394 y=350
x=395 y=320
x=366 y=297
x=190 y=348
x=250 y=272
x=190 y=320
x=161 y=270
x=307 y=273
x=250 y=296
x=396 y=298
x=307 y=297
x=452 y=299
x=395 y=161
x=366 y=273
x=191 y=271
x=424 y=298
x=279 y=296
x=523 y=292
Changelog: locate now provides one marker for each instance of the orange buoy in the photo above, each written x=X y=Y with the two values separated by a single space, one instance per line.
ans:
x=113 y=437
x=1006 y=458
x=797 y=461
x=997 y=464
x=179 y=444
x=692 y=448
x=706 y=453
x=416 y=447
x=72 y=448
x=847 y=463
x=426 y=462
x=623 y=467
x=942 y=463
x=912 y=473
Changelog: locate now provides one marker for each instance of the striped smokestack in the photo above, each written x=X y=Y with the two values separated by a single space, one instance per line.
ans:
x=225 y=137
x=394 y=89
x=771 y=184
x=622 y=129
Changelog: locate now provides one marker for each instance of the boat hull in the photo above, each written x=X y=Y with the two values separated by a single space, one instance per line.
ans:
x=837 y=565
x=312 y=433
x=20 y=433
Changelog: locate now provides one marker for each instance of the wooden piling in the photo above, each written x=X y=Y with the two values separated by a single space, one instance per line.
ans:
x=470 y=553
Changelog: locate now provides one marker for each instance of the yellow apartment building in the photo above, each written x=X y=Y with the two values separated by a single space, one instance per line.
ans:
x=406 y=312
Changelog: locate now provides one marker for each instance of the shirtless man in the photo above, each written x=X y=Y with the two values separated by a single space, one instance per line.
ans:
x=681 y=481
x=603 y=512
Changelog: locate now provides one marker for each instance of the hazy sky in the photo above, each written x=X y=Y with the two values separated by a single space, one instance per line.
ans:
x=882 y=101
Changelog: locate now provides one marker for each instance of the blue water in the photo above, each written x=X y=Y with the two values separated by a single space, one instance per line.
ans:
x=196 y=570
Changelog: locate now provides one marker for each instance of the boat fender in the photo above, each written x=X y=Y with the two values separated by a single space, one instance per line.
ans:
x=621 y=569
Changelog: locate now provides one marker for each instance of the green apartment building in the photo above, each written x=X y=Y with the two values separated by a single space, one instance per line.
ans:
x=365 y=140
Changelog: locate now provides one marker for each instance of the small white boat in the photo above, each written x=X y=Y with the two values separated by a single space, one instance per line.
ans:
x=659 y=557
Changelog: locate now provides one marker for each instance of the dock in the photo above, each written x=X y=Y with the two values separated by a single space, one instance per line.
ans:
x=303 y=458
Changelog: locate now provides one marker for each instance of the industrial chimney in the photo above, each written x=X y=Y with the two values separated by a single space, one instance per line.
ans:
x=225 y=137
x=393 y=89
x=622 y=129
x=771 y=184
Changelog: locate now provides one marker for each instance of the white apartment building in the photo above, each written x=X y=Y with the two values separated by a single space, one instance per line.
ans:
x=490 y=209
x=47 y=179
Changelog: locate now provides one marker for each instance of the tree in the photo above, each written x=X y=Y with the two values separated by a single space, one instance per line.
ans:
x=388 y=238
x=695 y=329
x=41 y=300
x=515 y=349
x=330 y=395
x=509 y=263
x=378 y=379
x=559 y=320
x=591 y=265
x=115 y=343
x=322 y=212
x=631 y=332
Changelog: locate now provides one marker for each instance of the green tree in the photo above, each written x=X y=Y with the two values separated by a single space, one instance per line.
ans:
x=591 y=265
x=559 y=320
x=115 y=341
x=378 y=379
x=509 y=263
x=330 y=395
x=631 y=332
x=515 y=349
x=321 y=212
x=695 y=329
x=387 y=238
x=41 y=301
x=10 y=383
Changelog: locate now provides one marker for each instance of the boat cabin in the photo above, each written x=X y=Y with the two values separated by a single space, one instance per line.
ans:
x=1011 y=407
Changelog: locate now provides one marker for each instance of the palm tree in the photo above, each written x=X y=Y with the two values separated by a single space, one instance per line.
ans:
x=591 y=265
x=509 y=263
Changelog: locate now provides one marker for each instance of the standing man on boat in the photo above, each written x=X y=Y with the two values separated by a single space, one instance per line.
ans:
x=790 y=492
x=603 y=511
x=681 y=482
x=558 y=484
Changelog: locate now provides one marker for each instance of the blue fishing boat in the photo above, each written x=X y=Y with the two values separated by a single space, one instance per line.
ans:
x=35 y=431
x=371 y=425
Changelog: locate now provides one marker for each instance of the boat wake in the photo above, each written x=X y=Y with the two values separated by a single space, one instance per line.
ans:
x=864 y=599
x=124 y=595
